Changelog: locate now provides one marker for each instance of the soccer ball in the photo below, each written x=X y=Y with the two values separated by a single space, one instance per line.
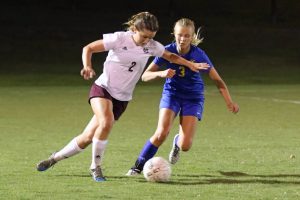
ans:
x=157 y=169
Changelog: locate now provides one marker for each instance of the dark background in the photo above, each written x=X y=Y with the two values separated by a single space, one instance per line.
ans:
x=255 y=41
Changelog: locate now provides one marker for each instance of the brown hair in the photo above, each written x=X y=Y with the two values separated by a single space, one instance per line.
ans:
x=188 y=22
x=141 y=21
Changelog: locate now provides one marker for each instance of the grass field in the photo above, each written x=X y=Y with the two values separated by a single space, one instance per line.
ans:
x=243 y=156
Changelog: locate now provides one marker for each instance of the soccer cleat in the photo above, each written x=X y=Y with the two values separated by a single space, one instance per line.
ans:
x=97 y=174
x=46 y=164
x=133 y=172
x=174 y=154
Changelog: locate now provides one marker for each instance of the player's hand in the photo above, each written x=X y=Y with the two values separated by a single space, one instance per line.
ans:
x=196 y=67
x=233 y=107
x=87 y=73
x=168 y=73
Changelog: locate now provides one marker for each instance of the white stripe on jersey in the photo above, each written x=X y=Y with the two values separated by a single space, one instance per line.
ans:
x=125 y=63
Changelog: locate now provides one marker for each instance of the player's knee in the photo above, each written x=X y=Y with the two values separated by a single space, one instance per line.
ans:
x=83 y=142
x=106 y=124
x=186 y=146
x=161 y=135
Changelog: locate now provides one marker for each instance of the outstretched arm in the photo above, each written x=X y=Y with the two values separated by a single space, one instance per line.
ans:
x=232 y=106
x=153 y=73
x=174 y=58
x=87 y=71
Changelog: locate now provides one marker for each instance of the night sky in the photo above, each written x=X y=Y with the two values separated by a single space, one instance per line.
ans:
x=55 y=31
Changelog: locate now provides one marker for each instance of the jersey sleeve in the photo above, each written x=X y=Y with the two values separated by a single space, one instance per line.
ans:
x=207 y=60
x=110 y=40
x=159 y=61
x=158 y=50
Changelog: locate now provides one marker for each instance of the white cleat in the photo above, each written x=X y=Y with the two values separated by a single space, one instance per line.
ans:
x=133 y=172
x=175 y=151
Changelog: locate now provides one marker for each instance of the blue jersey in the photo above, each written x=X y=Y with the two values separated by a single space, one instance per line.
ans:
x=185 y=84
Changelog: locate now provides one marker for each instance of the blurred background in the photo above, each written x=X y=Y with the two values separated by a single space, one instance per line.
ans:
x=249 y=42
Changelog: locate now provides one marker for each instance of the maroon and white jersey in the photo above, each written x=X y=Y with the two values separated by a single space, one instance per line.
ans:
x=125 y=63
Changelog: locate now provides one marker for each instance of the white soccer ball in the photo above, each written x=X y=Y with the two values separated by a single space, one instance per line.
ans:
x=157 y=169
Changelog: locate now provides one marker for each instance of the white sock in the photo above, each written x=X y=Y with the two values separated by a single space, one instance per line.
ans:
x=69 y=150
x=97 y=152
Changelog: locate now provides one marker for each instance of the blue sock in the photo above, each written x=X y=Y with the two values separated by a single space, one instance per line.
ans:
x=149 y=150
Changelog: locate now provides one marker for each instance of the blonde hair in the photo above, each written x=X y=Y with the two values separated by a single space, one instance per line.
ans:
x=141 y=21
x=197 y=39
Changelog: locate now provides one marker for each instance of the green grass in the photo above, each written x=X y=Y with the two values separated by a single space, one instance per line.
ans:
x=243 y=156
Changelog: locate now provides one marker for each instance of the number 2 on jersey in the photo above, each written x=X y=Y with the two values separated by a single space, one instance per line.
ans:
x=132 y=65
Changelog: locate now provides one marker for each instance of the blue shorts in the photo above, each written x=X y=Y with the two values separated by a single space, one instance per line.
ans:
x=187 y=107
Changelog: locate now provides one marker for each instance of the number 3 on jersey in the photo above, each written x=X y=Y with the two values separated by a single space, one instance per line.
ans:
x=181 y=71
x=132 y=66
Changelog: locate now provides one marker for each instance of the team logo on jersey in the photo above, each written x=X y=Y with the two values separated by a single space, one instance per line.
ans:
x=124 y=48
x=146 y=50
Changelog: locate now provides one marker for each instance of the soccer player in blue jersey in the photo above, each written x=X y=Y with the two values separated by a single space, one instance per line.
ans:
x=183 y=93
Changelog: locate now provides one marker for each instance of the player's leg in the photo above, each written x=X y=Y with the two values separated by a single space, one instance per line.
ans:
x=191 y=112
x=107 y=110
x=103 y=110
x=187 y=130
x=80 y=142
x=165 y=121
x=86 y=137
x=75 y=146
x=183 y=140
x=168 y=111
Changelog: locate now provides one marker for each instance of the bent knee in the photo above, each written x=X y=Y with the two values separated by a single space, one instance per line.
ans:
x=186 y=146
x=161 y=136
x=106 y=125
x=84 y=141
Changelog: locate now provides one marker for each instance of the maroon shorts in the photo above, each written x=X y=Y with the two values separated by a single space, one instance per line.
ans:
x=118 y=106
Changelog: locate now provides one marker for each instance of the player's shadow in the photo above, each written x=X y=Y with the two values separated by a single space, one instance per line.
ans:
x=229 y=177
x=234 y=177
x=88 y=176
x=73 y=175
x=241 y=174
x=109 y=178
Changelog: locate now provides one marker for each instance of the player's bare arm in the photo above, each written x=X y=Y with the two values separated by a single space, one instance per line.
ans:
x=152 y=72
x=87 y=71
x=181 y=61
x=221 y=85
